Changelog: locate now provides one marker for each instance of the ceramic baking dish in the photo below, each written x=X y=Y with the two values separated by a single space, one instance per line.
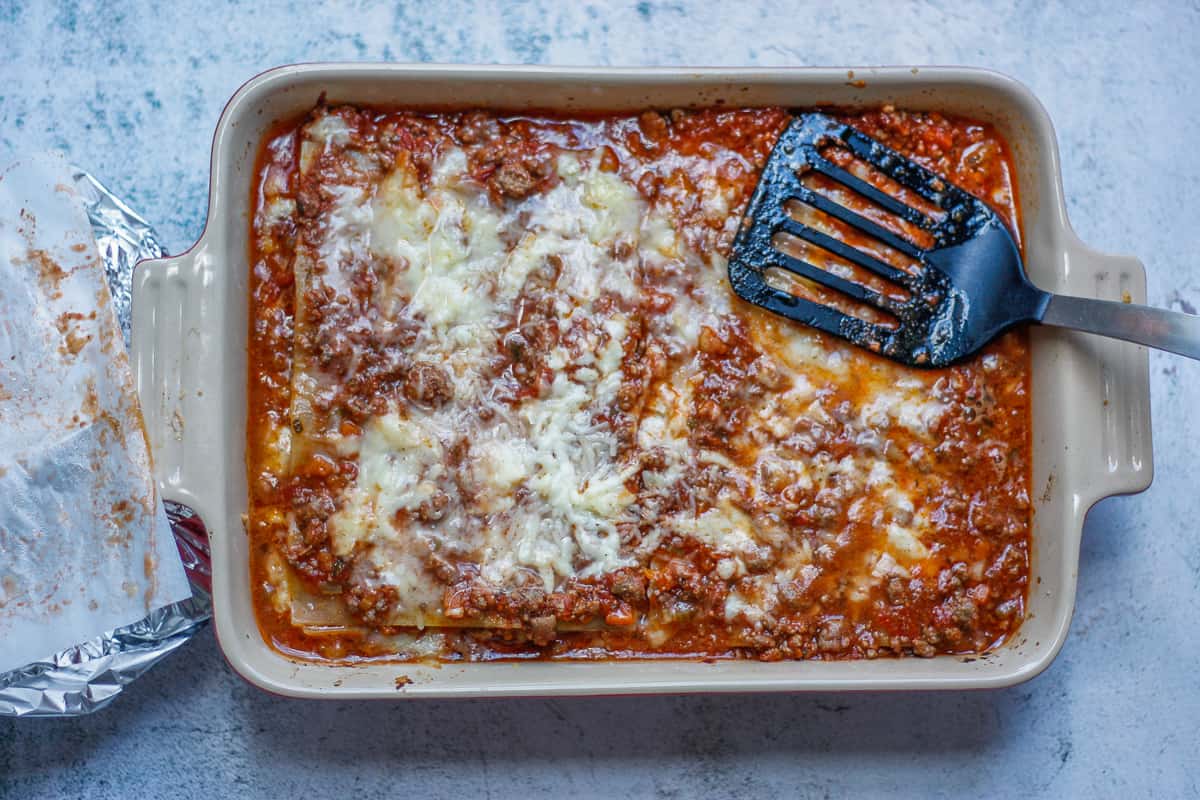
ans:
x=1091 y=416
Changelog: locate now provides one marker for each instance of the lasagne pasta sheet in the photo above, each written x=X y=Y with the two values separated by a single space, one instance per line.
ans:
x=503 y=403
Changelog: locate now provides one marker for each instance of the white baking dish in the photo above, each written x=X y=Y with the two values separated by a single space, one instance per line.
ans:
x=1091 y=416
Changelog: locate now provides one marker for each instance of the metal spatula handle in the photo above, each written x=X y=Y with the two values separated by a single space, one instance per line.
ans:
x=1153 y=327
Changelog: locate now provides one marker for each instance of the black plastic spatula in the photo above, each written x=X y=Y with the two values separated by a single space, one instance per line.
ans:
x=962 y=285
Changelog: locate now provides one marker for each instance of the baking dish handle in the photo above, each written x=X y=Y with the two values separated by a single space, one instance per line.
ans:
x=173 y=362
x=1122 y=459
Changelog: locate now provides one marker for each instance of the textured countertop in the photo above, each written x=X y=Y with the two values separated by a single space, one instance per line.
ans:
x=132 y=92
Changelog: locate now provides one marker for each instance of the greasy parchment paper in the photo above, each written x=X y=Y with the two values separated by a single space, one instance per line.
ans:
x=89 y=569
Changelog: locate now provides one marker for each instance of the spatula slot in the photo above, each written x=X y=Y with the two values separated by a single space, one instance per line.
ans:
x=851 y=244
x=838 y=175
x=863 y=224
x=804 y=244
x=900 y=170
x=795 y=285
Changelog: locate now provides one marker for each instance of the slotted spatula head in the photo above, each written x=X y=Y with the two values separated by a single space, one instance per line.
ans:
x=965 y=285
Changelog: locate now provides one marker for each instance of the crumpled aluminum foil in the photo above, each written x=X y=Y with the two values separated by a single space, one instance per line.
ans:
x=124 y=239
x=88 y=676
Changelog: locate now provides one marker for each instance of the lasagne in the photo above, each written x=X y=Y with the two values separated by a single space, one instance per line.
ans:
x=504 y=404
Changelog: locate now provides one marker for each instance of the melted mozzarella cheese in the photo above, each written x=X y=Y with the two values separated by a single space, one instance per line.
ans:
x=905 y=542
x=453 y=275
x=399 y=466
x=725 y=529
x=909 y=407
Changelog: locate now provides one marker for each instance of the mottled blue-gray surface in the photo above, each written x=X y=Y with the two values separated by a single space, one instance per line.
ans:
x=133 y=91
